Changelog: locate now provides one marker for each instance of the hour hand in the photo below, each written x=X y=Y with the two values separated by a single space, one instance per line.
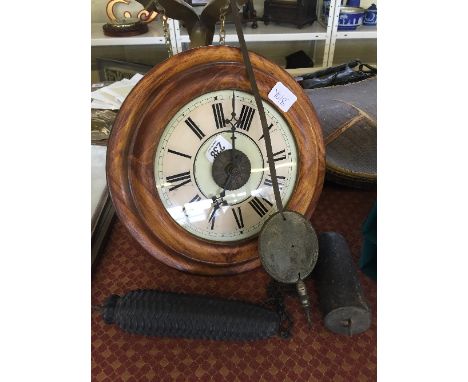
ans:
x=213 y=212
x=233 y=121
x=233 y=114
x=213 y=215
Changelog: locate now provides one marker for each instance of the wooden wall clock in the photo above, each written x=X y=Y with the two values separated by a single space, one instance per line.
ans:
x=192 y=190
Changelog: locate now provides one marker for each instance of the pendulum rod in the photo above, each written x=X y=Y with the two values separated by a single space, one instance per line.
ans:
x=300 y=285
x=258 y=100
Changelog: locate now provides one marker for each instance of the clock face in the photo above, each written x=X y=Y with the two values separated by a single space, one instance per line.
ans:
x=213 y=178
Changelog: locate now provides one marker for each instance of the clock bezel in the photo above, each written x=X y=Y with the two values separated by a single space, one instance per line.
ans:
x=135 y=137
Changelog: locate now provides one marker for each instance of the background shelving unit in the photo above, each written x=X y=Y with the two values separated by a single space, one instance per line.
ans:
x=265 y=34
x=321 y=36
x=154 y=36
x=148 y=48
x=270 y=33
x=364 y=32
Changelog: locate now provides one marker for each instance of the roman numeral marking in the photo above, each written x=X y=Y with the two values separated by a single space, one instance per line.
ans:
x=239 y=219
x=258 y=206
x=280 y=155
x=269 y=128
x=194 y=128
x=182 y=178
x=218 y=115
x=196 y=198
x=178 y=153
x=266 y=200
x=246 y=116
x=269 y=181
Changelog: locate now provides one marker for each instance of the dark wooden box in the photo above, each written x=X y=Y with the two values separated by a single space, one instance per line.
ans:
x=299 y=13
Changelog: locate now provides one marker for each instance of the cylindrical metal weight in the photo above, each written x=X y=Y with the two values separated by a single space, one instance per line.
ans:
x=341 y=299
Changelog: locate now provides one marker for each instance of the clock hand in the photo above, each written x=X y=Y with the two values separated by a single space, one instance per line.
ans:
x=223 y=193
x=233 y=114
x=233 y=120
x=233 y=127
x=233 y=143
x=216 y=207
x=219 y=201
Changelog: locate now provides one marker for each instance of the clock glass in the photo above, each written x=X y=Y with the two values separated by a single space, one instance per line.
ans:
x=211 y=168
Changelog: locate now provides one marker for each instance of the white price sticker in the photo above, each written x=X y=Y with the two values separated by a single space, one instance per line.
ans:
x=282 y=96
x=219 y=145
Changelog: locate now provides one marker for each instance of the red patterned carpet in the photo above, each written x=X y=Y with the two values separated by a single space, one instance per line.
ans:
x=310 y=355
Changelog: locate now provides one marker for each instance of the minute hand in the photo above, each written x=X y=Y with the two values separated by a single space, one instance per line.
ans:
x=233 y=125
x=258 y=100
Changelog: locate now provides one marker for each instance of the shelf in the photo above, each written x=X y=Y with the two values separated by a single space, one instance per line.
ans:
x=364 y=31
x=270 y=32
x=154 y=36
x=299 y=72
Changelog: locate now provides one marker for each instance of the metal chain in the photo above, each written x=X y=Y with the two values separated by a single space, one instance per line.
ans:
x=167 y=36
x=222 y=20
x=276 y=293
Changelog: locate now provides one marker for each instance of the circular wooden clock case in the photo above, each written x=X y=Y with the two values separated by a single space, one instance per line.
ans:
x=141 y=124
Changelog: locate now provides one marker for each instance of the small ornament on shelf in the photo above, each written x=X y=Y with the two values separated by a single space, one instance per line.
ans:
x=350 y=18
x=125 y=28
x=370 y=17
x=116 y=13
x=123 y=23
x=249 y=14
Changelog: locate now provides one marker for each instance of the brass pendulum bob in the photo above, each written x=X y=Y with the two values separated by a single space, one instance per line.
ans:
x=288 y=250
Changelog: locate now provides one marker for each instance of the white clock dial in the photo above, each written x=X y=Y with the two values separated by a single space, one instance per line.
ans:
x=214 y=192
